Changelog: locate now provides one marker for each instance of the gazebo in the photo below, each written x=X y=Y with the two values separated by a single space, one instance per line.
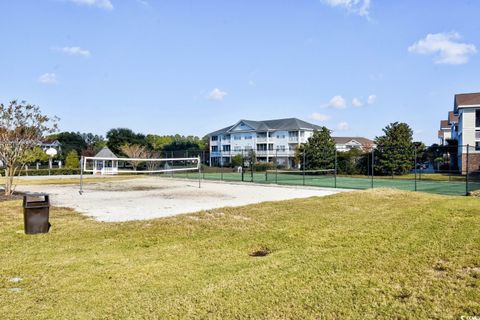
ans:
x=105 y=164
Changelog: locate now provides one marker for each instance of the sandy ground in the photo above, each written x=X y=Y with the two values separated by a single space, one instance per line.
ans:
x=154 y=197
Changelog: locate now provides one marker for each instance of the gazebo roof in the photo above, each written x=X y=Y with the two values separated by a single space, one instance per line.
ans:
x=105 y=153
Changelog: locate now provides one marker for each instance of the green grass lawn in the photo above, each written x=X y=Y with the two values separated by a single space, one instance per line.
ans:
x=367 y=254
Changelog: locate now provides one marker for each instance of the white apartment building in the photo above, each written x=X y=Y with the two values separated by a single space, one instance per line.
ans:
x=467 y=131
x=272 y=140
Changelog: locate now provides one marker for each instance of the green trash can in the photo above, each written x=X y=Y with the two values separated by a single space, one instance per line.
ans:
x=36 y=211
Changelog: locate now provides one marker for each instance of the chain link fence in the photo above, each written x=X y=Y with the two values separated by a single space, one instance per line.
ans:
x=449 y=170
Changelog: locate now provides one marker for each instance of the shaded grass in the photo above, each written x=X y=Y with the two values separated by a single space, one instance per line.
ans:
x=381 y=253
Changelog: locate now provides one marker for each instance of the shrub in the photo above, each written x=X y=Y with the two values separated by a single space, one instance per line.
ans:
x=53 y=172
x=72 y=162
x=264 y=166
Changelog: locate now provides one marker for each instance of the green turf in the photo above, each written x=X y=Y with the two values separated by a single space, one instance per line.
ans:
x=376 y=254
x=433 y=185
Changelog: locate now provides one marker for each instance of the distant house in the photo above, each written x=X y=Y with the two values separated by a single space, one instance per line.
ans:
x=106 y=163
x=47 y=144
x=348 y=143
x=463 y=125
x=273 y=140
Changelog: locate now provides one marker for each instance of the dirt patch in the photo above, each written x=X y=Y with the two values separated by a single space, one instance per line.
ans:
x=15 y=196
x=262 y=251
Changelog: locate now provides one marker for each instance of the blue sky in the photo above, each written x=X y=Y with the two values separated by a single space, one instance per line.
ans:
x=191 y=67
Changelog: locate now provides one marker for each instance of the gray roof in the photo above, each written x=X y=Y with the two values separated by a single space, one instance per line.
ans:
x=361 y=140
x=271 y=125
x=105 y=153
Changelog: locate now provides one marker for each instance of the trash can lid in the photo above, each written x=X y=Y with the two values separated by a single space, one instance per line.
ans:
x=36 y=194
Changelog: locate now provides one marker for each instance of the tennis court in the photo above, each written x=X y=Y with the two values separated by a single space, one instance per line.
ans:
x=457 y=187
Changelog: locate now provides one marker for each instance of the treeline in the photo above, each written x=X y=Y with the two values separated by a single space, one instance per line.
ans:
x=395 y=153
x=122 y=142
x=88 y=144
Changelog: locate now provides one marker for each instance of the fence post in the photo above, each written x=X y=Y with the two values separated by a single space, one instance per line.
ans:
x=373 y=163
x=415 y=168
x=243 y=164
x=303 y=167
x=466 y=176
x=276 y=166
x=221 y=168
x=336 y=167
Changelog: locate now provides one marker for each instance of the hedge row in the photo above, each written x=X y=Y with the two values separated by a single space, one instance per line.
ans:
x=45 y=172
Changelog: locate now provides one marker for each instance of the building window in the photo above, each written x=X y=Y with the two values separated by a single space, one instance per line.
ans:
x=226 y=137
x=270 y=147
x=477 y=118
x=214 y=138
x=237 y=148
x=237 y=137
x=477 y=145
x=270 y=134
x=281 y=148
x=214 y=148
x=226 y=147
x=248 y=137
x=262 y=147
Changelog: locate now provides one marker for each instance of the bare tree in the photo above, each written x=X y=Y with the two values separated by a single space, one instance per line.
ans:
x=134 y=151
x=153 y=165
x=22 y=127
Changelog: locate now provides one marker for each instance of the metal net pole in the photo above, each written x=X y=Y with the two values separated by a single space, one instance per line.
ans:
x=415 y=167
x=336 y=168
x=373 y=166
x=467 y=170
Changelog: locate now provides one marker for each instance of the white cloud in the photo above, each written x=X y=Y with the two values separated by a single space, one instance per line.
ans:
x=337 y=102
x=320 y=117
x=144 y=3
x=356 y=102
x=371 y=99
x=102 y=4
x=75 y=51
x=445 y=47
x=343 y=126
x=216 y=94
x=48 y=78
x=360 y=7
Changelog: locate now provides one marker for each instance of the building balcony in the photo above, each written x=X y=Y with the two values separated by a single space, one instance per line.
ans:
x=262 y=139
x=292 y=139
x=259 y=153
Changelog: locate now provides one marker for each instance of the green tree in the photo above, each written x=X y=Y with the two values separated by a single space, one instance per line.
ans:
x=122 y=136
x=237 y=160
x=319 y=151
x=69 y=141
x=34 y=155
x=72 y=162
x=156 y=142
x=352 y=162
x=395 y=150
